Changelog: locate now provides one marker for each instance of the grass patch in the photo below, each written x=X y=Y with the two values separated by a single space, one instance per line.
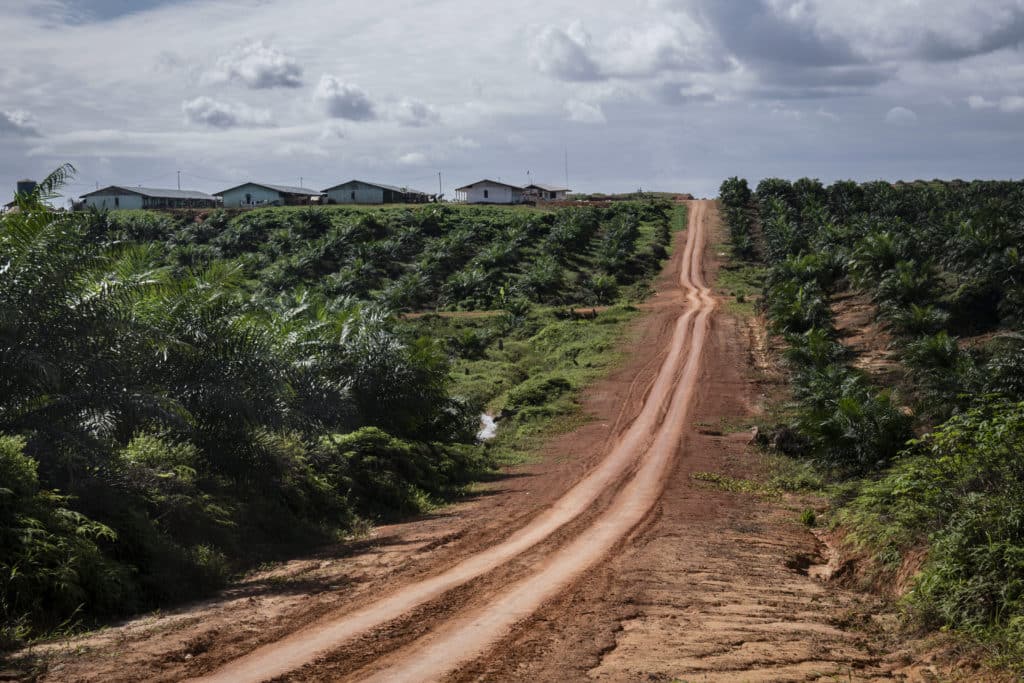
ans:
x=724 y=425
x=678 y=223
x=723 y=482
x=740 y=281
x=794 y=476
x=529 y=371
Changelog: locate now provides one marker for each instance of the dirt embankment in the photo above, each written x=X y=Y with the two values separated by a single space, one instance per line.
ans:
x=608 y=560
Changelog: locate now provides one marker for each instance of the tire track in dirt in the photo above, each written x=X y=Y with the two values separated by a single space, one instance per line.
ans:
x=467 y=636
x=652 y=440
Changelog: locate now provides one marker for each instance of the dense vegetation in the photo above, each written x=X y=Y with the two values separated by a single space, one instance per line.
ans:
x=943 y=265
x=183 y=395
x=438 y=257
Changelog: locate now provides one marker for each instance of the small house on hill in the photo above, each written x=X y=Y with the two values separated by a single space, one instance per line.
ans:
x=490 y=192
x=251 y=194
x=122 y=197
x=546 y=193
x=362 y=192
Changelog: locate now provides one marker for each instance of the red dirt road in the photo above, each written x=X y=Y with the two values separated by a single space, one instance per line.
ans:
x=652 y=441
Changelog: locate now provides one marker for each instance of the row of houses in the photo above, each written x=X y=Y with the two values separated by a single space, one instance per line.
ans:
x=253 y=194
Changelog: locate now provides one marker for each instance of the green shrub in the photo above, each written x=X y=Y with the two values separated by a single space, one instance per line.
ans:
x=851 y=426
x=51 y=561
x=544 y=280
x=385 y=476
x=602 y=289
x=734 y=192
x=376 y=471
x=961 y=488
x=796 y=308
x=537 y=391
x=1004 y=371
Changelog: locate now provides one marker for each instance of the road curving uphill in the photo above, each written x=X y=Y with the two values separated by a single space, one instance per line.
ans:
x=633 y=472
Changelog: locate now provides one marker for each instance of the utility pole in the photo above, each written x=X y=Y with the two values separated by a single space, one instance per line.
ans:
x=440 y=187
x=300 y=181
x=179 y=180
x=566 y=168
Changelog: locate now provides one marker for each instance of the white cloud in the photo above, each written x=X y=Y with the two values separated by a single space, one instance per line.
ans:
x=786 y=113
x=461 y=142
x=676 y=93
x=651 y=50
x=167 y=62
x=979 y=102
x=584 y=112
x=332 y=130
x=207 y=111
x=413 y=159
x=626 y=52
x=257 y=65
x=17 y=123
x=900 y=116
x=415 y=113
x=930 y=31
x=1012 y=104
x=344 y=100
x=564 y=55
x=300 y=150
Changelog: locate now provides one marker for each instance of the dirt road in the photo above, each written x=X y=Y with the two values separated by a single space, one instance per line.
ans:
x=643 y=450
x=607 y=560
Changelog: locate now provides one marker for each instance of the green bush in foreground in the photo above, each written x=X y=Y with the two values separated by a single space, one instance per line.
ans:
x=961 y=490
x=50 y=559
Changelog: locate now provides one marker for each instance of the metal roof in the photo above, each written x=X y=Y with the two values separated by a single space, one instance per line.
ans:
x=283 y=189
x=548 y=188
x=403 y=190
x=153 y=192
x=493 y=182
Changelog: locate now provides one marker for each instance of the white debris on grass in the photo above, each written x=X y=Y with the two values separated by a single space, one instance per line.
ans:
x=488 y=428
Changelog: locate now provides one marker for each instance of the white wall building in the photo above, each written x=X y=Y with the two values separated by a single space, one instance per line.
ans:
x=546 y=193
x=248 y=195
x=121 y=197
x=489 y=192
x=362 y=192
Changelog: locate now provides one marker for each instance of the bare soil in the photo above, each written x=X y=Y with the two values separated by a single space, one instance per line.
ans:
x=864 y=334
x=606 y=560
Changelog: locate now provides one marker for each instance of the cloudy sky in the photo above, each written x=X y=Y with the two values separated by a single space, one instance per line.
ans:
x=659 y=94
